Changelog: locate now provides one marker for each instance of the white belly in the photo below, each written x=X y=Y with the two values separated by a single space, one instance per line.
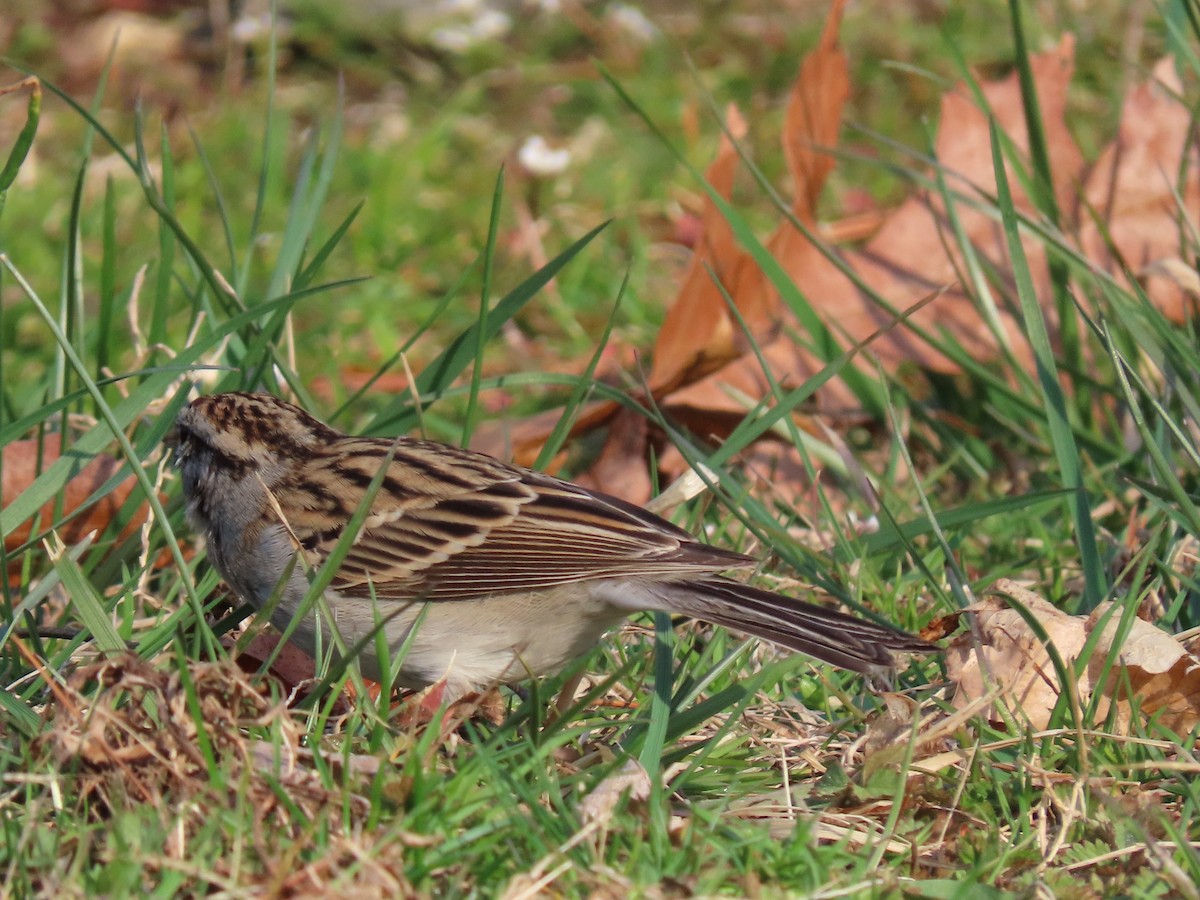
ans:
x=472 y=644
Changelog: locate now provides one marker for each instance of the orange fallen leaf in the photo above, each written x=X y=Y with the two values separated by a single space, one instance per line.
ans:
x=697 y=335
x=23 y=461
x=621 y=468
x=809 y=136
x=704 y=376
x=700 y=334
x=911 y=256
x=1135 y=188
x=814 y=116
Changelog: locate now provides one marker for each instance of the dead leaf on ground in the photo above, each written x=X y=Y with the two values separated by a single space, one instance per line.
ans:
x=809 y=138
x=292 y=667
x=704 y=377
x=631 y=779
x=1002 y=651
x=621 y=467
x=1135 y=189
x=698 y=335
x=23 y=461
x=912 y=255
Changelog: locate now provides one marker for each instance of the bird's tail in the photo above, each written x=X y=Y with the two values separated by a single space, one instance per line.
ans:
x=822 y=633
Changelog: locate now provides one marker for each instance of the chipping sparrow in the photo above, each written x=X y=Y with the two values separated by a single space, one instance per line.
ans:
x=521 y=572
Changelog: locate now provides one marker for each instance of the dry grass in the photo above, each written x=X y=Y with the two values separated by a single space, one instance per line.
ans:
x=179 y=747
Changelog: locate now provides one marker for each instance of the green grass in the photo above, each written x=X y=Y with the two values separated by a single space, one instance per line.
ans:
x=170 y=771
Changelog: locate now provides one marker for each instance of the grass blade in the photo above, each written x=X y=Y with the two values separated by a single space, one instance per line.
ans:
x=1055 y=407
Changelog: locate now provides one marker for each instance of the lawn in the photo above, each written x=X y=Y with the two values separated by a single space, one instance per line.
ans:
x=530 y=231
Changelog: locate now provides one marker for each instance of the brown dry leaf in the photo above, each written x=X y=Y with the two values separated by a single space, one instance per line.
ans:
x=621 y=469
x=292 y=666
x=913 y=262
x=810 y=136
x=914 y=253
x=1133 y=188
x=522 y=441
x=697 y=335
x=909 y=258
x=1009 y=656
x=631 y=779
x=814 y=117
x=23 y=462
x=1163 y=676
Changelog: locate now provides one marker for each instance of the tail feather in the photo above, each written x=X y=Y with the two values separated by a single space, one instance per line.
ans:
x=822 y=633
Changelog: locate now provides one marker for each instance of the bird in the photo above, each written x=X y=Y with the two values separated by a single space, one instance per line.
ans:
x=506 y=573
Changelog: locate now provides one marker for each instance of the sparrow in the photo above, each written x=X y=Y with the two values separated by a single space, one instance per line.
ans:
x=507 y=573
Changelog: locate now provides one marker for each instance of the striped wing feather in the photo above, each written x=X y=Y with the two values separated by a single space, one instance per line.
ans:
x=453 y=525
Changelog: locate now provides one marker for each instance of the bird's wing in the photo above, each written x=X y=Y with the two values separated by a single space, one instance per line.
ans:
x=451 y=525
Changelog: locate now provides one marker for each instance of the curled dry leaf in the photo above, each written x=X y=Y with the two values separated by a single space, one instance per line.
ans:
x=700 y=334
x=1002 y=652
x=294 y=669
x=809 y=139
